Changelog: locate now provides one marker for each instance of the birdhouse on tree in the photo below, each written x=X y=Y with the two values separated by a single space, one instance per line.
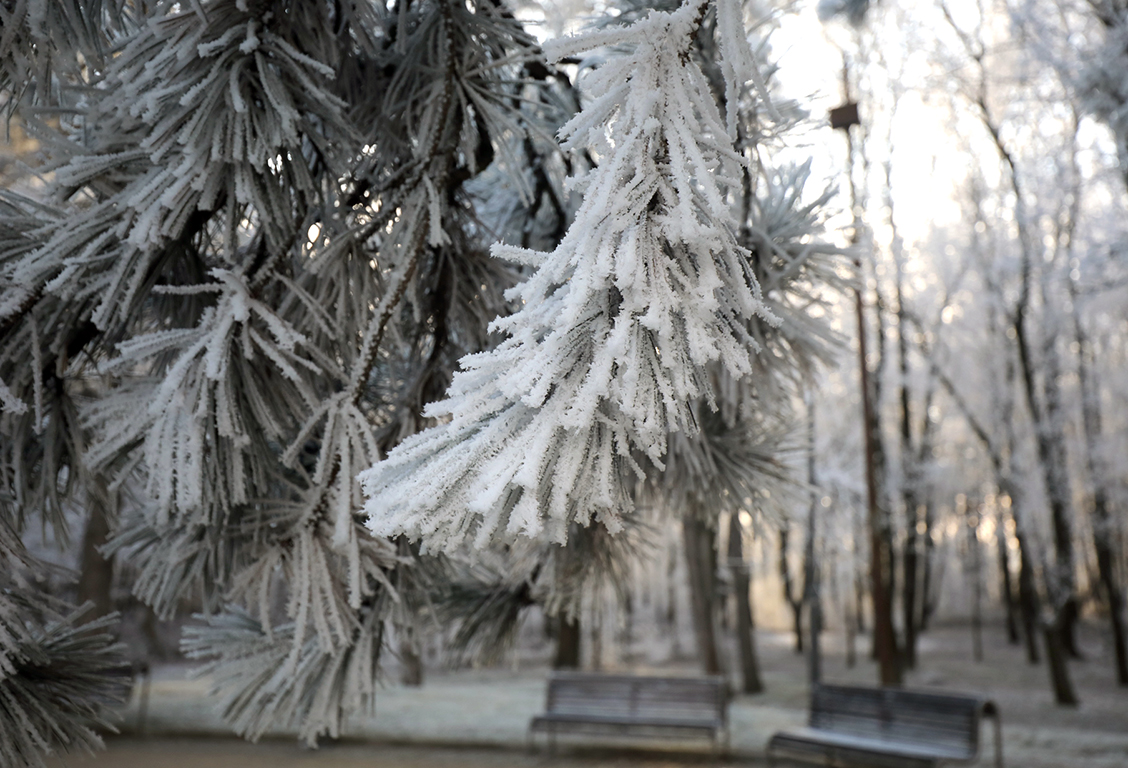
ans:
x=845 y=116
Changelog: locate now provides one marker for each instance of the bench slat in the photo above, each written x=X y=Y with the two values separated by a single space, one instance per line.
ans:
x=638 y=703
x=887 y=725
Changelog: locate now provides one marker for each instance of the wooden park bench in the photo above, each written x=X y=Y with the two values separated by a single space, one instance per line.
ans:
x=887 y=727
x=634 y=705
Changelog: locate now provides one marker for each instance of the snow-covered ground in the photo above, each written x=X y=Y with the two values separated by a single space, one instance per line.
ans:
x=475 y=717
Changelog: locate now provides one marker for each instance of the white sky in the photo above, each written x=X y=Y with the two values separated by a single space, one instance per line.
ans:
x=925 y=162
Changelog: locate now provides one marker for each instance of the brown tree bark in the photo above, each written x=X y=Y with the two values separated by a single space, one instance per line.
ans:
x=568 y=635
x=812 y=592
x=927 y=602
x=96 y=573
x=1059 y=673
x=1006 y=587
x=700 y=556
x=1103 y=527
x=910 y=487
x=411 y=673
x=1027 y=596
x=793 y=597
x=881 y=555
x=750 y=680
x=975 y=555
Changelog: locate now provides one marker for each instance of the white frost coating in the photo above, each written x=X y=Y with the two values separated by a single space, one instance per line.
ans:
x=618 y=324
x=174 y=419
x=738 y=62
x=9 y=403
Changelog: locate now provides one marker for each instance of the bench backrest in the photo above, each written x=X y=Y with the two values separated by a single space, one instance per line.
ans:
x=944 y=720
x=696 y=699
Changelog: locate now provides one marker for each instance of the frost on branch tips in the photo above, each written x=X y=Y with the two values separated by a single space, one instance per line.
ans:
x=618 y=324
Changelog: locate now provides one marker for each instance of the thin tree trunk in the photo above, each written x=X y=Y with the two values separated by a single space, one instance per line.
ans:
x=881 y=557
x=811 y=580
x=1059 y=582
x=596 y=631
x=700 y=558
x=1053 y=455
x=1104 y=531
x=793 y=600
x=154 y=644
x=671 y=597
x=1115 y=610
x=412 y=661
x=976 y=557
x=1027 y=596
x=1006 y=587
x=96 y=572
x=927 y=603
x=568 y=636
x=908 y=592
x=741 y=585
x=1059 y=672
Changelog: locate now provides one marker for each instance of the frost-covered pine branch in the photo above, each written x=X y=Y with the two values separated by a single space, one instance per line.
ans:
x=618 y=324
x=59 y=676
x=259 y=260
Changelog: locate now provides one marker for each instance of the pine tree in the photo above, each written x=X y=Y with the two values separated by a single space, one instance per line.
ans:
x=259 y=254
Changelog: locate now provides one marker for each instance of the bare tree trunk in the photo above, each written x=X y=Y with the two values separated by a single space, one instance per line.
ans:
x=976 y=557
x=1115 y=606
x=626 y=637
x=811 y=580
x=1059 y=582
x=700 y=556
x=154 y=644
x=96 y=572
x=741 y=586
x=568 y=636
x=1006 y=587
x=671 y=597
x=412 y=661
x=1052 y=454
x=1027 y=596
x=790 y=596
x=927 y=602
x=596 y=632
x=859 y=604
x=1059 y=672
x=908 y=591
x=881 y=556
x=1104 y=531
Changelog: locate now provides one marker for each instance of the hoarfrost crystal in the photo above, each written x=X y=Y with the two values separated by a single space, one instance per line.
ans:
x=618 y=324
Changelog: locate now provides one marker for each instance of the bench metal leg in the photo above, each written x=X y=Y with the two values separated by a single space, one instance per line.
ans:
x=998 y=739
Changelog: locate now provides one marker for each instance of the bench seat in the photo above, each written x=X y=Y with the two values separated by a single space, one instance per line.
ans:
x=639 y=705
x=887 y=728
x=842 y=748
